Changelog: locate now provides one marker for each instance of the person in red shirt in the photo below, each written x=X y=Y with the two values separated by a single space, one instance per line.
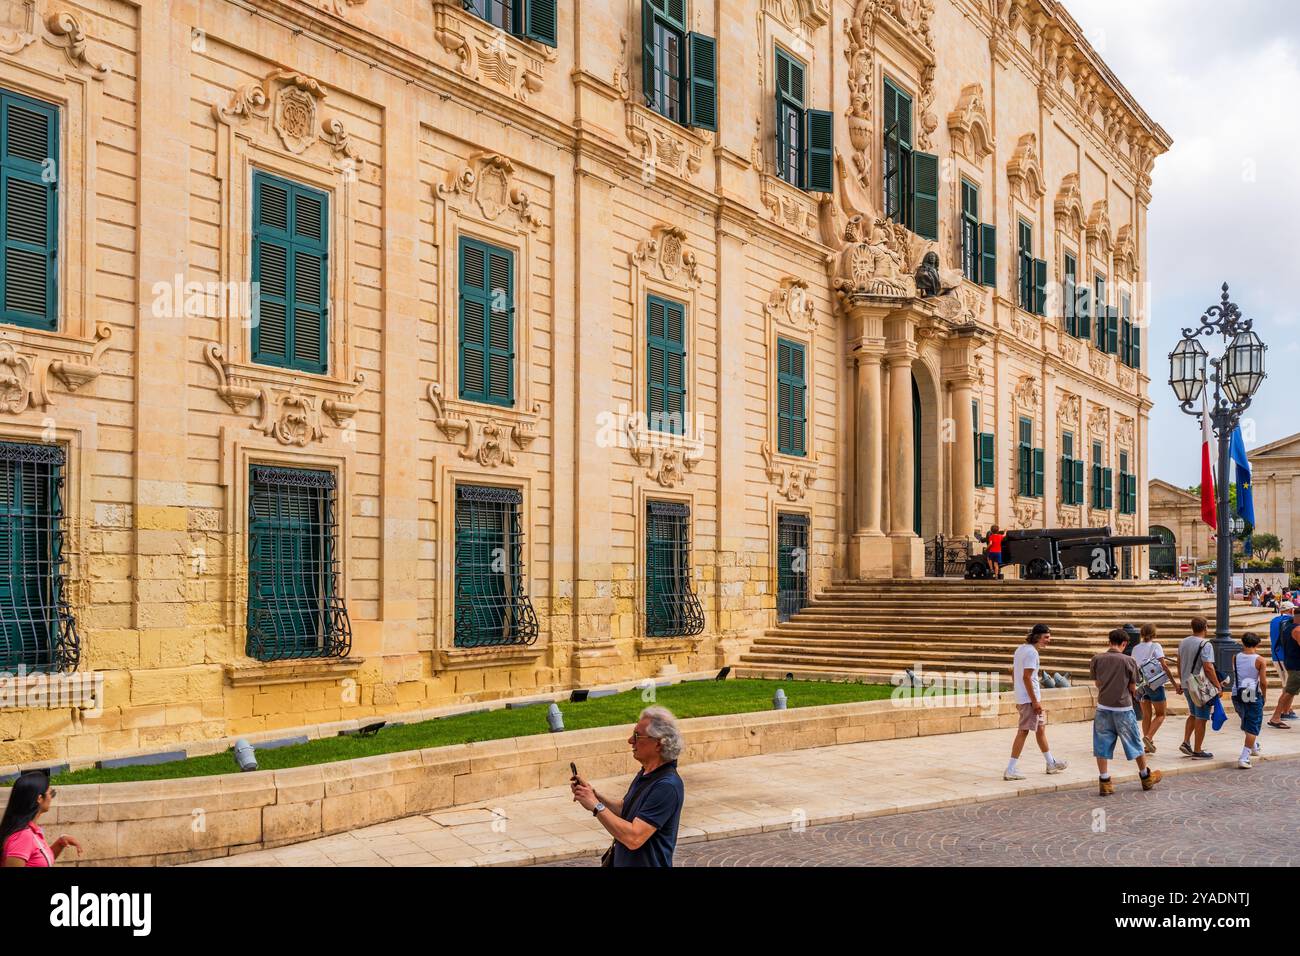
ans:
x=993 y=549
x=22 y=842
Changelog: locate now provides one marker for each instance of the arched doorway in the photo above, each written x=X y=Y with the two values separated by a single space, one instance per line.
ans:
x=1164 y=556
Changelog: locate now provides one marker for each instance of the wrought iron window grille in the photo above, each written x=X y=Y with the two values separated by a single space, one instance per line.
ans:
x=492 y=607
x=38 y=633
x=791 y=565
x=672 y=607
x=294 y=607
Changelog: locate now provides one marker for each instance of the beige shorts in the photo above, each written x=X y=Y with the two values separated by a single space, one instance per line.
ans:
x=1028 y=719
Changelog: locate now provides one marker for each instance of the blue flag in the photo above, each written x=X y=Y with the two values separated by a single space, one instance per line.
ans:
x=1245 y=497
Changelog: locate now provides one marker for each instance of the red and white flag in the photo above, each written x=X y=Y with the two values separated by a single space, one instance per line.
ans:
x=1209 y=510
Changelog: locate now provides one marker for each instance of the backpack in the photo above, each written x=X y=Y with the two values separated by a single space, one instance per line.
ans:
x=1199 y=688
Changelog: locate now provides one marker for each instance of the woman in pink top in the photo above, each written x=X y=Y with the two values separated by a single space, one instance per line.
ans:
x=22 y=840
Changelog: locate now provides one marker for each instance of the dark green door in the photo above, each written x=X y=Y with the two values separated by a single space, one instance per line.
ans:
x=916 y=458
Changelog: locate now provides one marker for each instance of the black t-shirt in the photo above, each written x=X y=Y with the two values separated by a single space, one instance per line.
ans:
x=657 y=799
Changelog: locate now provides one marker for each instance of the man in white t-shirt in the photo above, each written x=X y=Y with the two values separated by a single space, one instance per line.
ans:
x=1033 y=719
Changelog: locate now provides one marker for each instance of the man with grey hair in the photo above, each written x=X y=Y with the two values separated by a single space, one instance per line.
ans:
x=644 y=823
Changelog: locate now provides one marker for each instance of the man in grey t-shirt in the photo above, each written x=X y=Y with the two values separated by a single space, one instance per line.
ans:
x=1196 y=655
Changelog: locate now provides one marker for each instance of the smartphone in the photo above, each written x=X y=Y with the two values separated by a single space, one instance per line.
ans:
x=574 y=767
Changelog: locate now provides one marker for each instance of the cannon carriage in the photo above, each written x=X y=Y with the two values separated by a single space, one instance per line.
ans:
x=1038 y=551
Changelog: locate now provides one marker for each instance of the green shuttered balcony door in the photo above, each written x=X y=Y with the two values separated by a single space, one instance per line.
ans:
x=29 y=149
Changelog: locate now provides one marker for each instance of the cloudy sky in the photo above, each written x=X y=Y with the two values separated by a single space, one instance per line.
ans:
x=1224 y=80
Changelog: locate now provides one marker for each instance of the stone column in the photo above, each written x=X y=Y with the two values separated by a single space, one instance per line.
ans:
x=869 y=549
x=907 y=549
x=963 y=458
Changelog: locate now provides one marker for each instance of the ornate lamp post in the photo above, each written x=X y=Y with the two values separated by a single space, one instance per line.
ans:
x=1236 y=377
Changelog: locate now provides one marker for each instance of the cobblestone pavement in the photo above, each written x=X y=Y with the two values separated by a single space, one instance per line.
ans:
x=1224 y=817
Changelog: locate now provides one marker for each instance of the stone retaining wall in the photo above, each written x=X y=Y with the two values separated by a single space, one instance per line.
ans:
x=176 y=821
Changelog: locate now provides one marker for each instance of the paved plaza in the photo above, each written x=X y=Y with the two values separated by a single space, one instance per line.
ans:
x=853 y=803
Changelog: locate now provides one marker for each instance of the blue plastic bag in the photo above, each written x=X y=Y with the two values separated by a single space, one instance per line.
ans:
x=1217 y=717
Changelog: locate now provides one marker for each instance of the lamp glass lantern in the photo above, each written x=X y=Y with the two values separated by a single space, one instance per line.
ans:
x=1243 y=365
x=1187 y=369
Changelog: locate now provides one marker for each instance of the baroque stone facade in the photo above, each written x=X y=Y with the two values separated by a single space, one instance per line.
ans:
x=150 y=380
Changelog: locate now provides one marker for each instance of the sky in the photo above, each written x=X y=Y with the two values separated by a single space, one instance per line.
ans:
x=1224 y=80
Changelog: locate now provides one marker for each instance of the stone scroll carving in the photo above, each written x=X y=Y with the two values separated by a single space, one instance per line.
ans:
x=666 y=459
x=289 y=103
x=489 y=441
x=792 y=481
x=666 y=248
x=71 y=39
x=490 y=181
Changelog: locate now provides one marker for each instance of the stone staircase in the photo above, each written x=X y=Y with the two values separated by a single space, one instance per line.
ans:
x=875 y=629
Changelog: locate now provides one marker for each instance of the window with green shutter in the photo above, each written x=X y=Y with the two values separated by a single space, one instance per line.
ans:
x=1083 y=308
x=678 y=69
x=790 y=126
x=989 y=255
x=791 y=564
x=1098 y=495
x=672 y=607
x=970 y=230
x=819 y=165
x=1099 y=312
x=703 y=81
x=29 y=199
x=896 y=166
x=1130 y=334
x=1040 y=287
x=1030 y=462
x=38 y=633
x=1127 y=487
x=1071 y=472
x=791 y=397
x=1069 y=293
x=492 y=605
x=666 y=365
x=487 y=323
x=528 y=19
x=294 y=606
x=1025 y=272
x=290 y=274
x=985 y=466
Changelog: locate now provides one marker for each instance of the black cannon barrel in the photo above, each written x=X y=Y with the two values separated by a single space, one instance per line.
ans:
x=1059 y=533
x=1128 y=541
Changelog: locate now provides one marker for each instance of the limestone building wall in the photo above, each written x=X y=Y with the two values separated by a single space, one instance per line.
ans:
x=423 y=124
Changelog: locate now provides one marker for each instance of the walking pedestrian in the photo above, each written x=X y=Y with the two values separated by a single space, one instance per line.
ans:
x=1249 y=687
x=644 y=823
x=1116 y=675
x=1033 y=719
x=1200 y=686
x=1289 y=644
x=21 y=839
x=1154 y=699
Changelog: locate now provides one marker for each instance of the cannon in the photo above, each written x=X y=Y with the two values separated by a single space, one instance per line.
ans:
x=1036 y=550
x=1098 y=554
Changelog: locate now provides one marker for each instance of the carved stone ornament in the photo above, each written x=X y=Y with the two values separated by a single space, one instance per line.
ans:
x=489 y=180
x=234 y=391
x=289 y=103
x=18 y=29
x=488 y=55
x=71 y=39
x=76 y=372
x=791 y=304
x=969 y=126
x=665 y=147
x=1098 y=517
x=1067 y=517
x=800 y=14
x=1099 y=362
x=666 y=248
x=1024 y=171
x=872 y=261
x=295 y=113
x=16 y=379
x=1068 y=348
x=1124 y=525
x=792 y=481
x=1068 y=409
x=1027 y=515
x=1125 y=254
x=789 y=207
x=1099 y=424
x=341 y=410
x=1125 y=378
x=340 y=7
x=1100 y=242
x=489 y=441
x=1069 y=206
x=1027 y=395
x=1124 y=432
x=666 y=458
x=289 y=416
x=1025 y=329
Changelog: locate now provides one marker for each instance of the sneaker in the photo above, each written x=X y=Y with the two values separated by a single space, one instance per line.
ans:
x=1149 y=744
x=1243 y=763
x=1151 y=779
x=1257 y=749
x=1105 y=787
x=1202 y=755
x=1289 y=715
x=1058 y=766
x=1013 y=775
x=1186 y=748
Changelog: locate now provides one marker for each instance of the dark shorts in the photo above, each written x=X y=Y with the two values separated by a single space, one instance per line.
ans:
x=1156 y=695
x=1199 y=711
x=995 y=557
x=1251 y=713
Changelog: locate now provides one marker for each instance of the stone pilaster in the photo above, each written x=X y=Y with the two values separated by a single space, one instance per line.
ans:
x=869 y=550
x=906 y=547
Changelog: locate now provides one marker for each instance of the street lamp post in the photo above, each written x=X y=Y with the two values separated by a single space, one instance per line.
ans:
x=1236 y=377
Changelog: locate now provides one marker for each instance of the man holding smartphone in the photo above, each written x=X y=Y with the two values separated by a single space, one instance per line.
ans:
x=644 y=823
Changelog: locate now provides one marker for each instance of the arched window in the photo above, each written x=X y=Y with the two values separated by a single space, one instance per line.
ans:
x=1164 y=556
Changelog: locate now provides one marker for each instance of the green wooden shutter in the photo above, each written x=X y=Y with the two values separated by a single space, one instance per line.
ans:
x=648 y=53
x=1135 y=347
x=1084 y=311
x=1078 y=481
x=487 y=355
x=1112 y=330
x=1067 y=474
x=1038 y=472
x=1069 y=303
x=791 y=398
x=666 y=365
x=986 y=461
x=819 y=162
x=703 y=81
x=989 y=255
x=925 y=195
x=541 y=21
x=1040 y=287
x=290 y=269
x=29 y=212
x=1108 y=478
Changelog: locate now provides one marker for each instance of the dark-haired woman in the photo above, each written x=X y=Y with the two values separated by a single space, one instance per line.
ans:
x=22 y=843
